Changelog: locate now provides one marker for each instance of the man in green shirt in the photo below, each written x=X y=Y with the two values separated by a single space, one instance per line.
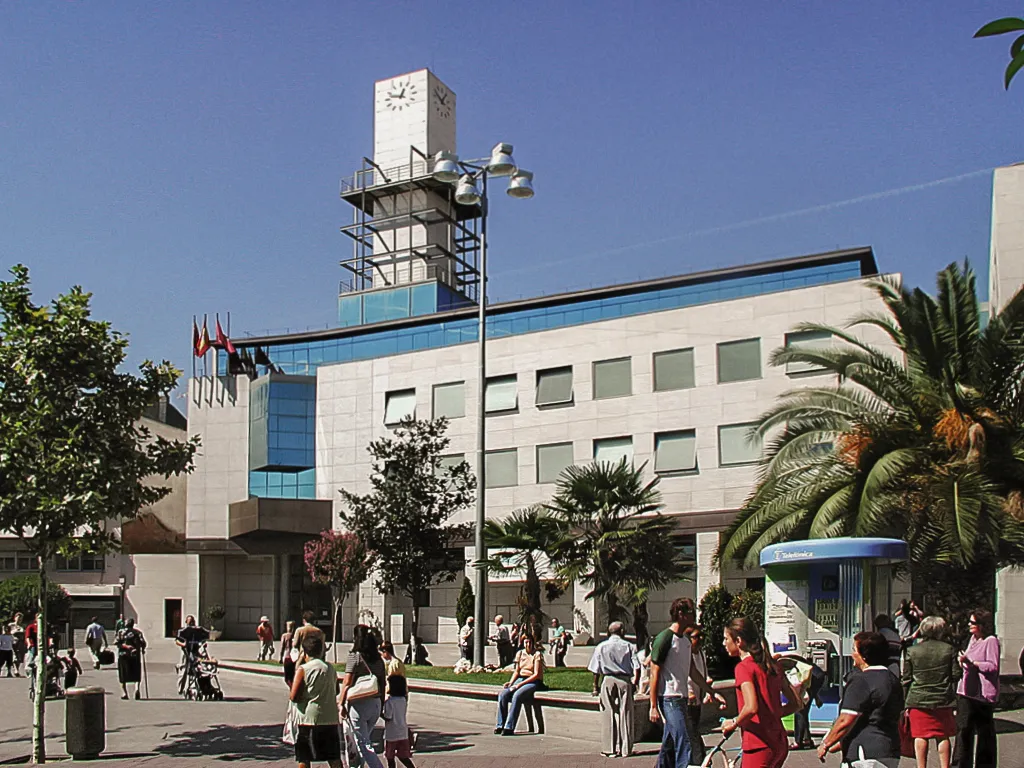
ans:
x=671 y=668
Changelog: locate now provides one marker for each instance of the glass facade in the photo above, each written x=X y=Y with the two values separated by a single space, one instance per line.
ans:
x=304 y=357
x=283 y=485
x=282 y=437
x=395 y=303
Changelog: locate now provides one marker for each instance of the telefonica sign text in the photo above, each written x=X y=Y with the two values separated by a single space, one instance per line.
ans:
x=793 y=555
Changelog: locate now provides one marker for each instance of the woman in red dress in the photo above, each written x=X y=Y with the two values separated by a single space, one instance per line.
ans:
x=760 y=686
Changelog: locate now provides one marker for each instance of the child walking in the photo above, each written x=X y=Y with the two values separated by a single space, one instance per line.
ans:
x=397 y=736
x=72 y=669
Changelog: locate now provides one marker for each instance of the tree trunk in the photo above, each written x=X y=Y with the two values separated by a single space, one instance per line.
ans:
x=953 y=593
x=531 y=588
x=614 y=610
x=42 y=643
x=640 y=621
x=414 y=629
x=338 y=602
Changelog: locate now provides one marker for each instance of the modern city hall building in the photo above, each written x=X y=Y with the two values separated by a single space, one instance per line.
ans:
x=669 y=373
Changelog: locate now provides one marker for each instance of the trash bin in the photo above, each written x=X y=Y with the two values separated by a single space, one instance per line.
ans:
x=85 y=722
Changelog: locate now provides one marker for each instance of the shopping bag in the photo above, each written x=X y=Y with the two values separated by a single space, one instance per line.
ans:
x=291 y=725
x=351 y=756
x=906 y=740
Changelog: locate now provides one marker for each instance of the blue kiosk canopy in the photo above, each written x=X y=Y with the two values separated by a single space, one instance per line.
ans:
x=845 y=548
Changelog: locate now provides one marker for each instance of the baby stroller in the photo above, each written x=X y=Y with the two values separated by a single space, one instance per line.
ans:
x=199 y=681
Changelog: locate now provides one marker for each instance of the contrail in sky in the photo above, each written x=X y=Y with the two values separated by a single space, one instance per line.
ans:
x=760 y=220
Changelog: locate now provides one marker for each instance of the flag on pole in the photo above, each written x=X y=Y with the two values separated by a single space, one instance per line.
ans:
x=195 y=338
x=222 y=341
x=203 y=342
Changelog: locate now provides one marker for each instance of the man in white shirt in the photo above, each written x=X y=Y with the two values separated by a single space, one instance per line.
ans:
x=615 y=661
x=95 y=640
x=466 y=640
x=671 y=668
x=503 y=641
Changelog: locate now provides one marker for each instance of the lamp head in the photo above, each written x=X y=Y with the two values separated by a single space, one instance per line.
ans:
x=446 y=167
x=501 y=163
x=521 y=185
x=467 y=193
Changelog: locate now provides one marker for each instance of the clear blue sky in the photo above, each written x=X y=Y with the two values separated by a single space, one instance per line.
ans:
x=177 y=158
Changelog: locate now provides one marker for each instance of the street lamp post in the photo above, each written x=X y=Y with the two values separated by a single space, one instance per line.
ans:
x=448 y=168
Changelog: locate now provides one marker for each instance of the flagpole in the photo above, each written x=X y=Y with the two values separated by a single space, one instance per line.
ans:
x=195 y=328
x=205 y=330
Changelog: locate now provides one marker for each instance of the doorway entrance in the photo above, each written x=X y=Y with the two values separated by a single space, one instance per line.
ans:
x=172 y=616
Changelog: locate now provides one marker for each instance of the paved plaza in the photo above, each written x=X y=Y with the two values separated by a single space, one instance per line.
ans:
x=165 y=731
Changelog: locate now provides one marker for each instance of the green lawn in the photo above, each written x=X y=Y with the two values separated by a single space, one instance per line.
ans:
x=560 y=679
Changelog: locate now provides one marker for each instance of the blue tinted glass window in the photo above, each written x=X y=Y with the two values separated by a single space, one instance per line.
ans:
x=424 y=299
x=350 y=311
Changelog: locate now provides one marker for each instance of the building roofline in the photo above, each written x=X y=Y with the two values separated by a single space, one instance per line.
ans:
x=865 y=255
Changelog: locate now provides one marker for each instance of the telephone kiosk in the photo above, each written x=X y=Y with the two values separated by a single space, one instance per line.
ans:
x=819 y=593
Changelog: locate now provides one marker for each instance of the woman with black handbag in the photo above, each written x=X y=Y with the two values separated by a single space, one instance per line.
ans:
x=362 y=691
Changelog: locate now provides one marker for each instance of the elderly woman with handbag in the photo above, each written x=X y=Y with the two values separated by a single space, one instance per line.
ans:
x=314 y=712
x=362 y=691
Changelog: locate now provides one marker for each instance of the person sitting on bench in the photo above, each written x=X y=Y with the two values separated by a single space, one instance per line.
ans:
x=527 y=679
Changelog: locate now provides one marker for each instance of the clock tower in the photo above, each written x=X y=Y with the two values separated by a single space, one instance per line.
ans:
x=414 y=248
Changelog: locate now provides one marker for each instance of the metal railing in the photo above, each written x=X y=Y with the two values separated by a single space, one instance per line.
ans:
x=366 y=178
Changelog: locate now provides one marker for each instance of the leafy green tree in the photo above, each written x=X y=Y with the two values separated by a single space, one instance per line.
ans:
x=613 y=537
x=1002 y=27
x=338 y=560
x=74 y=455
x=464 y=603
x=923 y=441
x=20 y=594
x=750 y=603
x=715 y=611
x=405 y=520
x=520 y=539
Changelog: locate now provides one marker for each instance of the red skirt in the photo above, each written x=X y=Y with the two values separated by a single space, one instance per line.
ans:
x=932 y=723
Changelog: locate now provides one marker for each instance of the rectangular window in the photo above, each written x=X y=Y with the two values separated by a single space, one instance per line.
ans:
x=450 y=400
x=62 y=563
x=501 y=394
x=613 y=449
x=809 y=340
x=26 y=563
x=452 y=460
x=92 y=562
x=675 y=451
x=399 y=405
x=502 y=468
x=552 y=461
x=613 y=378
x=8 y=563
x=554 y=386
x=735 y=445
x=422 y=598
x=674 y=370
x=739 y=360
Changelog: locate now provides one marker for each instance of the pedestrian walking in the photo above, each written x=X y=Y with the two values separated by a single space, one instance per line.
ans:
x=95 y=640
x=867 y=727
x=929 y=673
x=363 y=690
x=314 y=696
x=397 y=734
x=502 y=640
x=265 y=633
x=17 y=631
x=417 y=653
x=559 y=642
x=883 y=626
x=616 y=674
x=466 y=640
x=72 y=669
x=671 y=667
x=6 y=650
x=760 y=686
x=527 y=679
x=189 y=639
x=806 y=679
x=308 y=629
x=131 y=645
x=289 y=654
x=977 y=695
x=695 y=698
x=908 y=618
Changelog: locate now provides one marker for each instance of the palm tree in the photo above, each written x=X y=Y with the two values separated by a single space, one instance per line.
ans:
x=615 y=538
x=521 y=538
x=924 y=442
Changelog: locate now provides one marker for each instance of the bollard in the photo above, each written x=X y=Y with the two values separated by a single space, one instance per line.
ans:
x=85 y=722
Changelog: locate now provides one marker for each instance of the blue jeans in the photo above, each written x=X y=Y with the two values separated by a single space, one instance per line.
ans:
x=675 y=742
x=364 y=715
x=508 y=717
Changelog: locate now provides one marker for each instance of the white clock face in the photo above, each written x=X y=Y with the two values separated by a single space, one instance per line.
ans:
x=401 y=93
x=442 y=99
